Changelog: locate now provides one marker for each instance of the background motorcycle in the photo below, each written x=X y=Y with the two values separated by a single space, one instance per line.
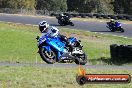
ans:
x=52 y=49
x=116 y=27
x=64 y=21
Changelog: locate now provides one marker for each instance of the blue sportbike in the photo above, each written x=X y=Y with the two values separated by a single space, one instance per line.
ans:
x=53 y=49
x=115 y=27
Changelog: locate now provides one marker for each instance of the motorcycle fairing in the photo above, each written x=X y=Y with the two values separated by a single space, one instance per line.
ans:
x=117 y=24
x=56 y=43
x=52 y=42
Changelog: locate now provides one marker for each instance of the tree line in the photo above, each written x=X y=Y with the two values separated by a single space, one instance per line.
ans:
x=79 y=6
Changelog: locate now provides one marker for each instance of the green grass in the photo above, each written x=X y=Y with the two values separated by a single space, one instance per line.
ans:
x=36 y=77
x=18 y=43
x=96 y=45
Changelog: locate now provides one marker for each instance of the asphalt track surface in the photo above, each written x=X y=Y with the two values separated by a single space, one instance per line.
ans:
x=79 y=25
x=70 y=65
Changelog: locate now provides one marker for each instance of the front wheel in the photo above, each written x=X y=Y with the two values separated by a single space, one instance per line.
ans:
x=81 y=59
x=61 y=23
x=122 y=30
x=71 y=24
x=48 y=57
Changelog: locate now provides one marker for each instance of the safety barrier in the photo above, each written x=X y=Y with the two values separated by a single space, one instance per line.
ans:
x=121 y=52
x=96 y=15
x=72 y=14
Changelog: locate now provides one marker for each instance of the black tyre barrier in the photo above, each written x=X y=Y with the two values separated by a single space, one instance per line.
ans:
x=130 y=19
x=129 y=52
x=83 y=15
x=95 y=14
x=56 y=14
x=98 y=16
x=127 y=17
x=89 y=15
x=113 y=51
x=74 y=14
x=52 y=14
x=105 y=16
x=120 y=17
x=121 y=52
x=112 y=17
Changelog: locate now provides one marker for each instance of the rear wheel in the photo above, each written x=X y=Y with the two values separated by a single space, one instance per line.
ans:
x=81 y=59
x=48 y=57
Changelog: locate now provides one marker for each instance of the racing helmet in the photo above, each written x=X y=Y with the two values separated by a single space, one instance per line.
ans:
x=112 y=20
x=43 y=26
x=62 y=14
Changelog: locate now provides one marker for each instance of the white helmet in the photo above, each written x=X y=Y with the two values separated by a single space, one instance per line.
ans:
x=43 y=25
x=112 y=20
x=62 y=14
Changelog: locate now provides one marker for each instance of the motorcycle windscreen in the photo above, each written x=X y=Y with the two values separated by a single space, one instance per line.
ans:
x=56 y=44
x=118 y=24
x=72 y=39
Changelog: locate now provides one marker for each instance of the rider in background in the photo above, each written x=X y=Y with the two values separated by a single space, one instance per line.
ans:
x=113 y=22
x=66 y=17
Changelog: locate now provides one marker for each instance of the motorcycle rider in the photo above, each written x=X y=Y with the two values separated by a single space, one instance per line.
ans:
x=64 y=16
x=112 y=22
x=46 y=29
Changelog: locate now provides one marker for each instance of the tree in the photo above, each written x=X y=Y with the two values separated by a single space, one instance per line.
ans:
x=81 y=5
x=104 y=6
x=88 y=6
x=123 y=6
x=51 y=5
x=17 y=4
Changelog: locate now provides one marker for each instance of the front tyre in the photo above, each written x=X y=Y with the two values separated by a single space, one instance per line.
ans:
x=81 y=59
x=48 y=57
x=71 y=24
x=60 y=22
x=122 y=30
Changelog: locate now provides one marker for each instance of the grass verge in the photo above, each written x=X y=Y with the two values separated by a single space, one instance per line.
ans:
x=18 y=43
x=36 y=77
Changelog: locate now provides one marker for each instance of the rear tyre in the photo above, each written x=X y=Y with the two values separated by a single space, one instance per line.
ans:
x=48 y=57
x=81 y=60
